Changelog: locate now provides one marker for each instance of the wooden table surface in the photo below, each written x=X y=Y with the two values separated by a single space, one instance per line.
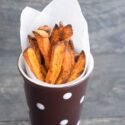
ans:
x=105 y=98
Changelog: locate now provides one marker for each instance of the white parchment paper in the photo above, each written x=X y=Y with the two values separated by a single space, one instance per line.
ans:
x=67 y=11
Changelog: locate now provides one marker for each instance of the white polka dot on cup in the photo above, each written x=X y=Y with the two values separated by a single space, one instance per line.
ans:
x=40 y=106
x=78 y=123
x=64 y=122
x=67 y=96
x=82 y=99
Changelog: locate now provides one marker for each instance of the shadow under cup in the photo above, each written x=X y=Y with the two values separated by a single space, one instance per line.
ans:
x=55 y=104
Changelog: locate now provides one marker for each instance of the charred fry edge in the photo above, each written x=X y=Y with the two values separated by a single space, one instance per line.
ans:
x=67 y=32
x=55 y=35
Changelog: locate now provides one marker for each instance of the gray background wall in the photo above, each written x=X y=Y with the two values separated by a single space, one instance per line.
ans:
x=105 y=98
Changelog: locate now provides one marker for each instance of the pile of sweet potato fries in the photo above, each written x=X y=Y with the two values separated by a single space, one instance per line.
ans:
x=51 y=55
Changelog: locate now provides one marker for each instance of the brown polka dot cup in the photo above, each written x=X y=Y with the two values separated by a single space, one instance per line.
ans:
x=55 y=104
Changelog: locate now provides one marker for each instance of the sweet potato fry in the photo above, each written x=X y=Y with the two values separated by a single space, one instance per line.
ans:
x=34 y=45
x=45 y=28
x=55 y=62
x=66 y=67
x=78 y=67
x=55 y=36
x=44 y=45
x=72 y=52
x=33 y=63
x=67 y=32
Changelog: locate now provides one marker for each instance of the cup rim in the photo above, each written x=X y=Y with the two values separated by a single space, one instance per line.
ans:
x=44 y=84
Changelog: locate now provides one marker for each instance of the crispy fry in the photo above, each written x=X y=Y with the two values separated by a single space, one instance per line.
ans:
x=34 y=45
x=67 y=32
x=45 y=28
x=55 y=63
x=72 y=52
x=66 y=67
x=78 y=67
x=33 y=63
x=44 y=45
x=55 y=36
x=61 y=33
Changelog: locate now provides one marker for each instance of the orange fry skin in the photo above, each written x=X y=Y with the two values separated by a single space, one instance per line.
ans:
x=67 y=32
x=55 y=62
x=55 y=35
x=66 y=67
x=78 y=67
x=34 y=45
x=72 y=52
x=33 y=63
x=44 y=46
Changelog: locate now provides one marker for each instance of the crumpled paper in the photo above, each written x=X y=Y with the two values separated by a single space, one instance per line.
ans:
x=67 y=11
